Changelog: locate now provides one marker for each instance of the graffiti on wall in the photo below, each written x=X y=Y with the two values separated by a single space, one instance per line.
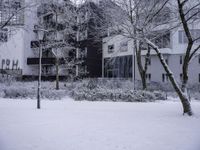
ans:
x=7 y=64
x=10 y=67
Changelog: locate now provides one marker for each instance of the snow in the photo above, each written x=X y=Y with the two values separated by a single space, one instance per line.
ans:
x=83 y=125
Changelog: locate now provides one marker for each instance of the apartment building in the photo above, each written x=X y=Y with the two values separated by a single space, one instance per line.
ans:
x=19 y=45
x=119 y=60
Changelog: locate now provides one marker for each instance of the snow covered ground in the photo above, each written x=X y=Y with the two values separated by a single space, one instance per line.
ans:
x=71 y=125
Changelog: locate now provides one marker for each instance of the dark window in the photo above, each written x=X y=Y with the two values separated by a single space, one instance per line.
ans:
x=111 y=48
x=163 y=17
x=181 y=60
x=11 y=9
x=164 y=77
x=195 y=35
x=124 y=46
x=149 y=61
x=162 y=41
x=48 y=21
x=194 y=13
x=181 y=77
x=199 y=59
x=199 y=78
x=166 y=60
x=118 y=67
x=3 y=35
x=148 y=76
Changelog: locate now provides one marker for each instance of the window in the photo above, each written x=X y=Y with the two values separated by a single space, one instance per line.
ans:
x=163 y=17
x=164 y=77
x=181 y=77
x=4 y=35
x=199 y=78
x=118 y=67
x=8 y=8
x=199 y=59
x=110 y=48
x=195 y=34
x=162 y=41
x=148 y=61
x=166 y=60
x=194 y=13
x=181 y=60
x=124 y=46
x=83 y=53
x=48 y=21
x=148 y=77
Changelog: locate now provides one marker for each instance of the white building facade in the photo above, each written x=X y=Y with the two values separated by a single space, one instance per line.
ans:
x=15 y=50
x=118 y=52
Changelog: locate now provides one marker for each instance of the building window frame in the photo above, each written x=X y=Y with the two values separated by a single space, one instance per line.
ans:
x=165 y=77
x=199 y=77
x=148 y=77
x=124 y=46
x=181 y=77
x=181 y=60
x=4 y=35
x=148 y=61
x=183 y=39
x=111 y=48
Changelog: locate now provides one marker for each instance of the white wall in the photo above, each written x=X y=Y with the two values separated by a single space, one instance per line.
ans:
x=13 y=49
x=30 y=19
x=116 y=41
x=156 y=69
x=17 y=48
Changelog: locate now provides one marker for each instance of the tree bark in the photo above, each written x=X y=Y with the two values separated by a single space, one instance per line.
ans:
x=57 y=73
x=141 y=70
x=184 y=99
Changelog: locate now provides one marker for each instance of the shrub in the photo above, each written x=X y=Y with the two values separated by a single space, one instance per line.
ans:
x=31 y=93
x=105 y=94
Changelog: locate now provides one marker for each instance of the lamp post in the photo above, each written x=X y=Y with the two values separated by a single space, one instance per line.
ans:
x=40 y=35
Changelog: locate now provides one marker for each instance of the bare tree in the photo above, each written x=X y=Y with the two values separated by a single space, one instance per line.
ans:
x=139 y=25
x=189 y=13
x=12 y=8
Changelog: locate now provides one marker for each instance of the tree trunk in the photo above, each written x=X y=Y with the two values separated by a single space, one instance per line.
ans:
x=57 y=74
x=184 y=99
x=185 y=76
x=142 y=71
x=144 y=81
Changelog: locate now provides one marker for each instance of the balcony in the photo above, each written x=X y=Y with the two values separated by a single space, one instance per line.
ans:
x=48 y=44
x=45 y=61
x=35 y=44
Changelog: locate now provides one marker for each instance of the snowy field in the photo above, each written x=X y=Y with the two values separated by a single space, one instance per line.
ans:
x=71 y=125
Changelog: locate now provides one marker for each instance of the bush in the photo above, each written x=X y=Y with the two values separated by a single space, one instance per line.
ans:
x=32 y=93
x=98 y=91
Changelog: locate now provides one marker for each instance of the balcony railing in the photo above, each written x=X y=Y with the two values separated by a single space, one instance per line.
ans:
x=45 y=61
x=48 y=44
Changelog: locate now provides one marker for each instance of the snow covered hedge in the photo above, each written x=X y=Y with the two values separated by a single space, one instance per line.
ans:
x=106 y=90
x=87 y=89
x=22 y=92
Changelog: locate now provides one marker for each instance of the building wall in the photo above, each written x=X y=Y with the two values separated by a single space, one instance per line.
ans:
x=11 y=52
x=30 y=20
x=16 y=50
x=155 y=68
